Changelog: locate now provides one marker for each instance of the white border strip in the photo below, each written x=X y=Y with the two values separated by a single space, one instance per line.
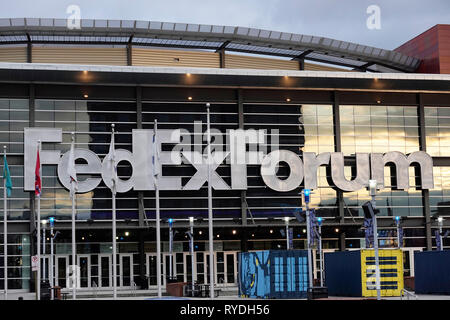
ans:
x=219 y=71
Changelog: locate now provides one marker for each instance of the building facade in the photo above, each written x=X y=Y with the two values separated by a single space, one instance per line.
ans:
x=84 y=81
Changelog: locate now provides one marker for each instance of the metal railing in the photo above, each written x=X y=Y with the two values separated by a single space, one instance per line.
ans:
x=95 y=287
x=133 y=288
x=408 y=295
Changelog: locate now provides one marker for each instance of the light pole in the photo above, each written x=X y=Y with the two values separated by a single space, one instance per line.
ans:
x=210 y=211
x=373 y=192
x=286 y=221
x=397 y=223
x=52 y=224
x=191 y=240
x=440 y=224
x=306 y=194
x=44 y=224
x=170 y=247
x=319 y=222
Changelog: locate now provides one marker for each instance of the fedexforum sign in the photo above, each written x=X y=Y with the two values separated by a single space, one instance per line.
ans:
x=368 y=166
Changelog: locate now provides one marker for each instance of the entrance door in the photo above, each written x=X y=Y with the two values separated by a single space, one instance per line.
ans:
x=188 y=267
x=84 y=262
x=61 y=265
x=230 y=268
x=219 y=259
x=151 y=266
x=200 y=267
x=126 y=270
x=105 y=270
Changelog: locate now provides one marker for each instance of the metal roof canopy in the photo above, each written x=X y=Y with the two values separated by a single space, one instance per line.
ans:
x=199 y=36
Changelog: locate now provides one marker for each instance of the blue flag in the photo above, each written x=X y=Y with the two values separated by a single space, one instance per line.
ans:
x=7 y=176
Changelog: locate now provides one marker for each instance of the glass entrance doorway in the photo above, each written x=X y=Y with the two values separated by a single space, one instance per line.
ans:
x=84 y=263
x=126 y=270
x=105 y=271
x=225 y=273
x=61 y=265
x=151 y=270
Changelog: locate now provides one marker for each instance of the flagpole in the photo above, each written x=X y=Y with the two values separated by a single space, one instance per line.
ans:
x=158 y=219
x=114 y=250
x=5 y=228
x=75 y=274
x=210 y=214
x=38 y=276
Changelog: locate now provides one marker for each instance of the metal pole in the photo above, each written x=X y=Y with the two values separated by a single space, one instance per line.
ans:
x=210 y=213
x=321 y=255
x=287 y=236
x=441 y=222
x=5 y=232
x=75 y=274
x=310 y=277
x=191 y=222
x=375 y=243
x=170 y=250
x=114 y=250
x=38 y=220
x=158 y=218
x=51 y=262
x=74 y=247
x=43 y=252
x=398 y=234
x=286 y=222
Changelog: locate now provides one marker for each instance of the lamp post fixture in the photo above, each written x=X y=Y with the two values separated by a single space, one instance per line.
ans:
x=397 y=223
x=51 y=220
x=170 y=247
x=306 y=194
x=191 y=241
x=44 y=224
x=319 y=222
x=440 y=224
x=286 y=221
x=373 y=192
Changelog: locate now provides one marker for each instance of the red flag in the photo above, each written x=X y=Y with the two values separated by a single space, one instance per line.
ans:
x=37 y=180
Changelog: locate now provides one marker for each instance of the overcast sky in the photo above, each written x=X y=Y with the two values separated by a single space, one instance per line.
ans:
x=401 y=20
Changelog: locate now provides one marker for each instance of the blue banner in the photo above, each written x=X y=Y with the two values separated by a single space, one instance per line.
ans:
x=291 y=238
x=438 y=240
x=400 y=237
x=368 y=230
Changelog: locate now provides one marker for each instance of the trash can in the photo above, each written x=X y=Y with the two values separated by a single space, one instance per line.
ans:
x=45 y=290
x=174 y=287
x=56 y=292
